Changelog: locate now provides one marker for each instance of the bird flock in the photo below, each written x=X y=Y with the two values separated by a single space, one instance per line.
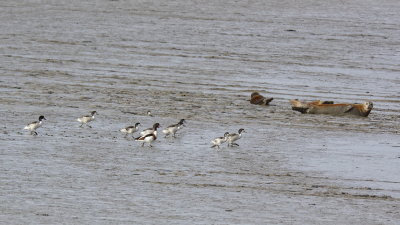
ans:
x=148 y=135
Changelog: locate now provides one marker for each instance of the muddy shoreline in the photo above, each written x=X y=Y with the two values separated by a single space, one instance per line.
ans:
x=122 y=58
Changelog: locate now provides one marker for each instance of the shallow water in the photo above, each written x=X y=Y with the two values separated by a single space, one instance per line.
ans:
x=200 y=61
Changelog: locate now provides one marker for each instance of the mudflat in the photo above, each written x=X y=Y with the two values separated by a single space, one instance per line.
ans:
x=198 y=61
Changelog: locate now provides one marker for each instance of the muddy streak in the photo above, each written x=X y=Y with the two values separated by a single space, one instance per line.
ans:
x=180 y=60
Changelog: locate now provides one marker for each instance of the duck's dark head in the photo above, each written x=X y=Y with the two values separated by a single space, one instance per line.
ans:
x=156 y=125
x=41 y=118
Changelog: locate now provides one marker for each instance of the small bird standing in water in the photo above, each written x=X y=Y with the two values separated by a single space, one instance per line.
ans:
x=219 y=140
x=152 y=130
x=148 y=139
x=130 y=129
x=234 y=137
x=172 y=129
x=86 y=119
x=35 y=125
x=148 y=135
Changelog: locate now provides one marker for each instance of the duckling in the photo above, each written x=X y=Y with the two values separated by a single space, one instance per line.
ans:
x=152 y=130
x=231 y=138
x=219 y=140
x=86 y=119
x=35 y=125
x=172 y=129
x=130 y=129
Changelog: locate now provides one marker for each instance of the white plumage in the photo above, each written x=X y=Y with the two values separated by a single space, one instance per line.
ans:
x=35 y=125
x=219 y=140
x=172 y=129
x=86 y=119
x=147 y=139
x=148 y=135
x=130 y=129
x=152 y=130
x=231 y=138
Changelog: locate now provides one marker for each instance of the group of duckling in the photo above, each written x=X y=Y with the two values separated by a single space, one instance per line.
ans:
x=148 y=135
x=228 y=137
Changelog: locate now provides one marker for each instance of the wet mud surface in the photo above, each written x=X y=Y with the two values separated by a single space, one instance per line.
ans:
x=199 y=61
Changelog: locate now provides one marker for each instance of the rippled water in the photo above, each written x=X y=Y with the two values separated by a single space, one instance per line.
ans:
x=199 y=60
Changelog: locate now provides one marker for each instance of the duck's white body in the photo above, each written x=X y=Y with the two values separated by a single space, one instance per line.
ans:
x=130 y=129
x=148 y=135
x=152 y=130
x=86 y=119
x=172 y=129
x=147 y=139
x=231 y=138
x=148 y=131
x=219 y=140
x=35 y=125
